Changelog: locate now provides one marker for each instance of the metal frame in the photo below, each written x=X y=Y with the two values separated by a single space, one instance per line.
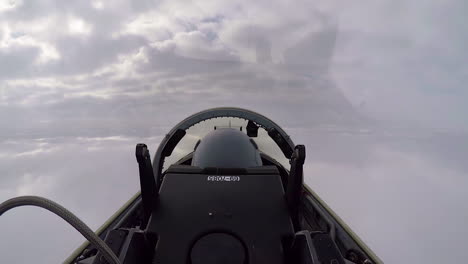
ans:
x=185 y=124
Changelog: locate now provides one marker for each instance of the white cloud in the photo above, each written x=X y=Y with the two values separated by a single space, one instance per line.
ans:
x=40 y=82
x=7 y=5
x=77 y=26
x=30 y=184
x=196 y=44
x=12 y=40
x=34 y=152
x=411 y=47
x=154 y=26
x=399 y=193
x=36 y=27
x=97 y=4
x=126 y=65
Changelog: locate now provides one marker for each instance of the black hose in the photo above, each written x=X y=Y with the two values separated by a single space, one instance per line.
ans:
x=65 y=215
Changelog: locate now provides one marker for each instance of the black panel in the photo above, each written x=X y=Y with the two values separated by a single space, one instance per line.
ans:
x=250 y=207
x=184 y=169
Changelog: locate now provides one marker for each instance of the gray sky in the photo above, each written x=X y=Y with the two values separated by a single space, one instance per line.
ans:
x=375 y=90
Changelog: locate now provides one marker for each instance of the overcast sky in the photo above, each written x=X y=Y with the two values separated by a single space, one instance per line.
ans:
x=376 y=91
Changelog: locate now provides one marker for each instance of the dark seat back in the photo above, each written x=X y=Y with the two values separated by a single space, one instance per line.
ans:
x=249 y=208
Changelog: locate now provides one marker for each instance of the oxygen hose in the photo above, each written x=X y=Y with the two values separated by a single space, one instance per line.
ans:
x=65 y=215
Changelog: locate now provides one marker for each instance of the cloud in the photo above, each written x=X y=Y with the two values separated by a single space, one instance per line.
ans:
x=9 y=5
x=78 y=26
x=418 y=54
x=397 y=194
x=375 y=91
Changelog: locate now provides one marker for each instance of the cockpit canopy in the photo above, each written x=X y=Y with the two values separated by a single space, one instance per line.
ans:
x=226 y=148
x=208 y=134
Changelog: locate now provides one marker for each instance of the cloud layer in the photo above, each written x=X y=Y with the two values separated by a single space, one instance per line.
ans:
x=376 y=91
